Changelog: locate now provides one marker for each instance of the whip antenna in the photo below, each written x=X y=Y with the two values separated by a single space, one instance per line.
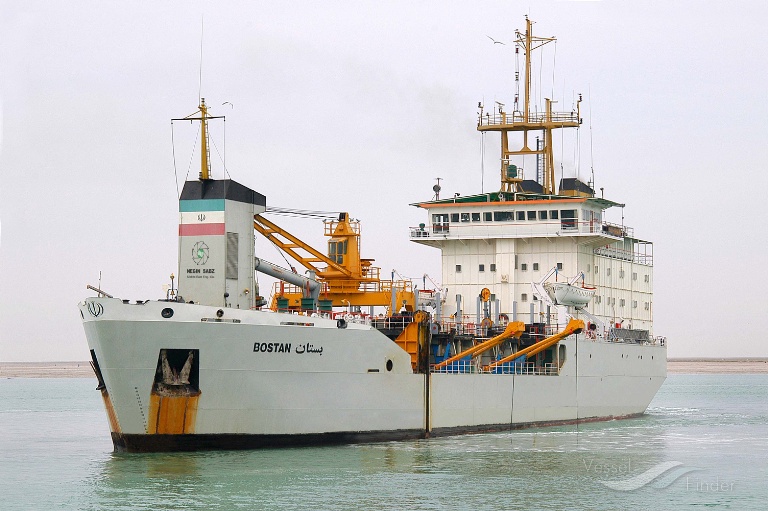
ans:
x=200 y=74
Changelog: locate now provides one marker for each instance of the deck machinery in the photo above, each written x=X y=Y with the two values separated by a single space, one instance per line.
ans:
x=345 y=280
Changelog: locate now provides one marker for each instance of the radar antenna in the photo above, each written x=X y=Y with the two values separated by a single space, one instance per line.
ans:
x=437 y=188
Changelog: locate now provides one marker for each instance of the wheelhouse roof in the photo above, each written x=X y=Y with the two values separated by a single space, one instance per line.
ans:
x=520 y=199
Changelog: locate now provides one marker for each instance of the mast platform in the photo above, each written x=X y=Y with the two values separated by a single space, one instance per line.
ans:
x=516 y=121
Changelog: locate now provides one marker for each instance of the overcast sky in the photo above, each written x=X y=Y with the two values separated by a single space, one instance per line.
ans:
x=358 y=106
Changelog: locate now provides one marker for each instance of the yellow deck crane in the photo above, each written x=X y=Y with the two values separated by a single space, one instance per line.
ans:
x=345 y=278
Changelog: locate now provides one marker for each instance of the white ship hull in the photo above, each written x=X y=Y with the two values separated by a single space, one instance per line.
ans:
x=267 y=379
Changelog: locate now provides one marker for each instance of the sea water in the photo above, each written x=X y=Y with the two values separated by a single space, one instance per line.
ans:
x=702 y=444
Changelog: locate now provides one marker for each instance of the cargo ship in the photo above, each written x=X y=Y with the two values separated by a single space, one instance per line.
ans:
x=543 y=316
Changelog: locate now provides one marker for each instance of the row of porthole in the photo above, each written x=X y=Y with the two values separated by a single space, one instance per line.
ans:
x=639 y=356
x=622 y=356
x=168 y=313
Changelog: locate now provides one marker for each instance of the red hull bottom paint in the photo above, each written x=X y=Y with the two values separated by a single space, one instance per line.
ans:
x=196 y=442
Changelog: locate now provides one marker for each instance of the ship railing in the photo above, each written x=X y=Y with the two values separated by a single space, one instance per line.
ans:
x=457 y=367
x=307 y=313
x=448 y=324
x=550 y=330
x=332 y=225
x=528 y=368
x=372 y=272
x=516 y=228
x=354 y=317
x=422 y=232
x=618 y=230
x=458 y=326
x=396 y=322
x=511 y=118
x=625 y=255
x=350 y=317
x=466 y=325
x=353 y=287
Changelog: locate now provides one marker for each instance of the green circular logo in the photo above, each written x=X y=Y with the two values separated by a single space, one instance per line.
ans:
x=200 y=253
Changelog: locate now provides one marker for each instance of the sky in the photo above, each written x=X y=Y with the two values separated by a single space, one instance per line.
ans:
x=358 y=106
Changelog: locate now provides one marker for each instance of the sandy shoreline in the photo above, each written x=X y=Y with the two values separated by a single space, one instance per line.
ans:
x=674 y=366
x=46 y=370
x=717 y=365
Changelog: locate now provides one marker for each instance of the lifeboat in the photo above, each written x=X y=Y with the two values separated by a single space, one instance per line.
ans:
x=563 y=293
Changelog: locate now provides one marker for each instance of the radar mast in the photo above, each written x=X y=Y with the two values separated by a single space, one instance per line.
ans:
x=205 y=150
x=526 y=121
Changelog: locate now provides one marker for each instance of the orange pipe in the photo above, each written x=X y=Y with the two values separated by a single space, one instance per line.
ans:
x=574 y=327
x=514 y=329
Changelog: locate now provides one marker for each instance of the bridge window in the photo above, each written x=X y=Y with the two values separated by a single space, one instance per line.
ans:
x=455 y=217
x=475 y=217
x=521 y=215
x=503 y=216
x=487 y=216
x=553 y=214
x=465 y=217
x=531 y=215
x=542 y=215
x=567 y=219
x=440 y=223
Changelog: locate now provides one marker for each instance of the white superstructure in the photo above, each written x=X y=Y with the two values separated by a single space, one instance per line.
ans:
x=506 y=243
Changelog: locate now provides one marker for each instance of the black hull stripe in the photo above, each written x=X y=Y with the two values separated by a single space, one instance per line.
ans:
x=175 y=443
x=167 y=443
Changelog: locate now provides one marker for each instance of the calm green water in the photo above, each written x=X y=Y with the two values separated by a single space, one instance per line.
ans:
x=55 y=453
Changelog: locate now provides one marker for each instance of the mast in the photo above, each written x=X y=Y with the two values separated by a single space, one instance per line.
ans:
x=205 y=151
x=525 y=121
x=205 y=162
x=527 y=52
